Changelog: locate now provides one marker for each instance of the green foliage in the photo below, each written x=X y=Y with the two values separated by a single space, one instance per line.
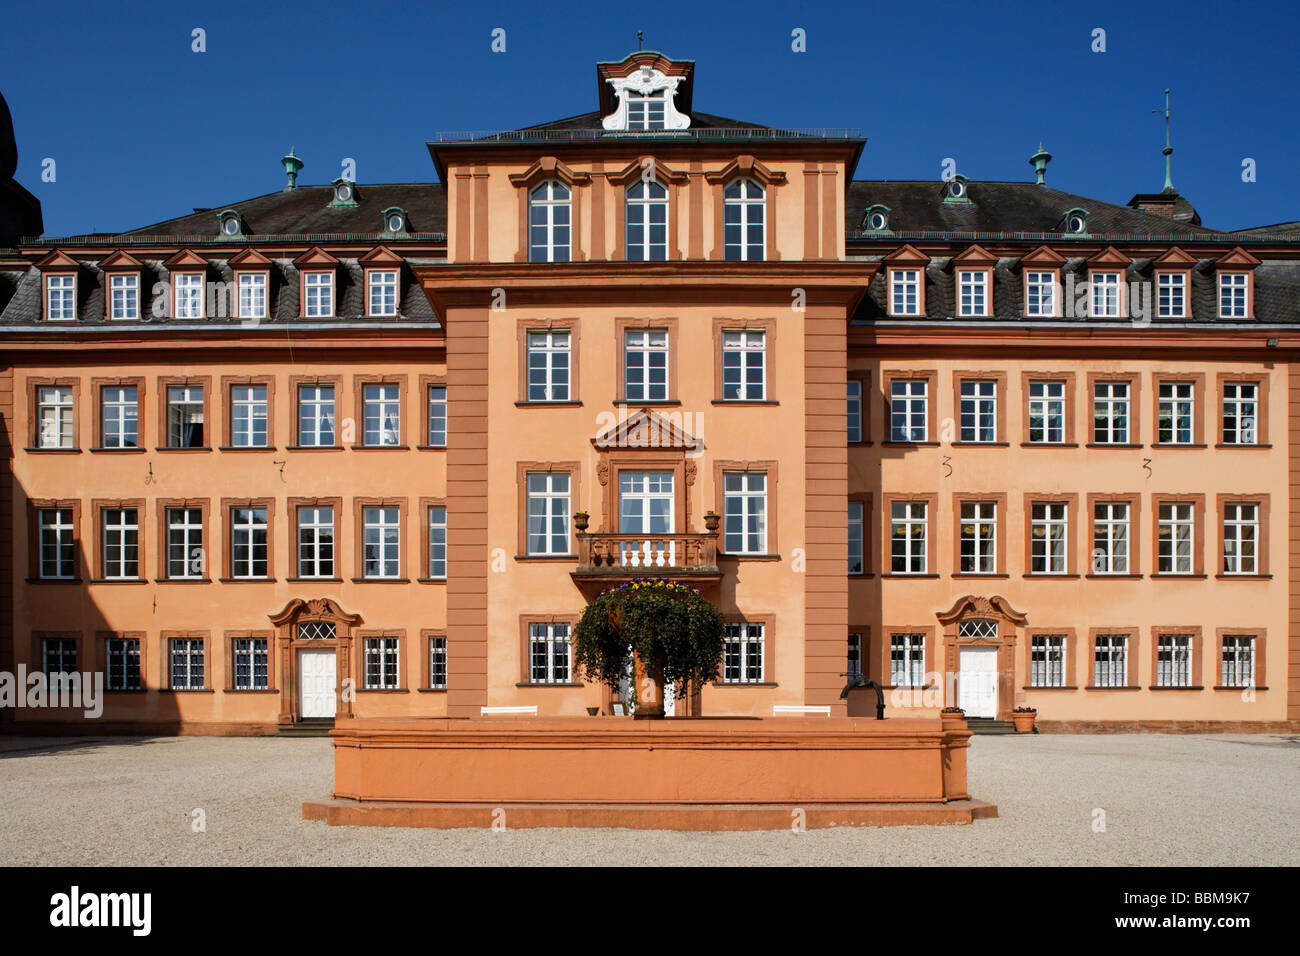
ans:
x=662 y=621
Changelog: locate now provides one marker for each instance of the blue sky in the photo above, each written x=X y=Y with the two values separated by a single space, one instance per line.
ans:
x=141 y=128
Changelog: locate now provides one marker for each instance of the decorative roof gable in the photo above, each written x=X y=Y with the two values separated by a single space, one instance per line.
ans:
x=646 y=429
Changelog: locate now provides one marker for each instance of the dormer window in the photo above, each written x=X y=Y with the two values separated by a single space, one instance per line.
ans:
x=1237 y=284
x=646 y=100
x=188 y=288
x=124 y=297
x=646 y=110
x=1076 y=222
x=1107 y=297
x=955 y=189
x=905 y=275
x=61 y=297
x=395 y=221
x=252 y=295
x=231 y=224
x=381 y=292
x=318 y=295
x=345 y=193
x=876 y=219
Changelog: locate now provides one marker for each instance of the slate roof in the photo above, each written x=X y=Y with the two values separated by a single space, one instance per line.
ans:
x=1000 y=207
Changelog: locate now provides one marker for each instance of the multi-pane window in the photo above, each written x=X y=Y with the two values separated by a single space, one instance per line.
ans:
x=189 y=295
x=1048 y=534
x=438 y=663
x=381 y=659
x=972 y=292
x=57 y=543
x=61 y=298
x=1110 y=661
x=1110 y=413
x=1171 y=295
x=185 y=416
x=1240 y=538
x=185 y=664
x=119 y=417
x=907 y=660
x=185 y=557
x=548 y=653
x=857 y=538
x=248 y=416
x=248 y=546
x=742 y=654
x=1240 y=411
x=744 y=512
x=250 y=659
x=645 y=358
x=438 y=416
x=1040 y=294
x=381 y=542
x=854 y=656
x=317 y=631
x=54 y=411
x=1175 y=531
x=904 y=292
x=382 y=414
x=978 y=554
x=909 y=410
x=382 y=291
x=316 y=415
x=1110 y=537
x=646 y=110
x=1047 y=660
x=316 y=542
x=907 y=537
x=647 y=222
x=437 y=542
x=123 y=671
x=318 y=292
x=1237 y=662
x=549 y=363
x=1174 y=660
x=548 y=512
x=58 y=656
x=744 y=234
x=979 y=411
x=124 y=297
x=1177 y=407
x=252 y=295
x=121 y=537
x=1047 y=412
x=743 y=362
x=1105 y=288
x=549 y=223
x=854 y=424
x=645 y=503
x=1232 y=295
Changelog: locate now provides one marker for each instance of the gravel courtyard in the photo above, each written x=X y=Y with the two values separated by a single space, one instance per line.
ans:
x=1198 y=800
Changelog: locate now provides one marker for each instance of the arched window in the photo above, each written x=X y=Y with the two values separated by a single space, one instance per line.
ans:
x=549 y=222
x=647 y=222
x=744 y=236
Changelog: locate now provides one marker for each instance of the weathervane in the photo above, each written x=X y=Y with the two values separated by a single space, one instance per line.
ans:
x=638 y=39
x=1168 y=150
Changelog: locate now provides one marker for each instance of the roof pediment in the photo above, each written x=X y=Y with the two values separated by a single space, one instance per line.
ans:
x=975 y=255
x=1043 y=256
x=318 y=257
x=57 y=261
x=120 y=260
x=1110 y=256
x=1238 y=258
x=748 y=167
x=646 y=429
x=186 y=258
x=1174 y=256
x=381 y=256
x=249 y=258
x=907 y=255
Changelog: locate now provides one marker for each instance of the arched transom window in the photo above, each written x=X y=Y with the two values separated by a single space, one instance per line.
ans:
x=647 y=222
x=744 y=235
x=549 y=222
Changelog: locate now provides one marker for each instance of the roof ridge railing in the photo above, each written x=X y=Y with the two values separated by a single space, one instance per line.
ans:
x=1212 y=237
x=234 y=244
x=593 y=135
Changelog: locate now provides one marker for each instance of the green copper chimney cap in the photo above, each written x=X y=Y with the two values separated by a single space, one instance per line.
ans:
x=292 y=166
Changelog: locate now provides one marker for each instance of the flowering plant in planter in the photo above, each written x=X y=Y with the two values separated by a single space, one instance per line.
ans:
x=1025 y=710
x=953 y=712
x=668 y=630
x=1023 y=718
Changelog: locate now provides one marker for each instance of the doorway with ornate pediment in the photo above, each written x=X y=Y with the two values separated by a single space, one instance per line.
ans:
x=314 y=646
x=979 y=642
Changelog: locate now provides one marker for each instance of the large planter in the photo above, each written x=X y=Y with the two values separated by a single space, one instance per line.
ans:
x=1024 y=723
x=953 y=721
x=647 y=687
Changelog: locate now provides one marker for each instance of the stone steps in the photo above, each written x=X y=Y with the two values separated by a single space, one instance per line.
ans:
x=987 y=725
x=307 y=728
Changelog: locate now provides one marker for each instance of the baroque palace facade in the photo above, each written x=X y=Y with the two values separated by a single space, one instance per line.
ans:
x=368 y=449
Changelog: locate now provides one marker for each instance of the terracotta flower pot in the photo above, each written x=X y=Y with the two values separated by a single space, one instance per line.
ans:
x=953 y=721
x=1024 y=722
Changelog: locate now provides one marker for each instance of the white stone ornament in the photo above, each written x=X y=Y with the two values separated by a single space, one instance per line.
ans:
x=646 y=81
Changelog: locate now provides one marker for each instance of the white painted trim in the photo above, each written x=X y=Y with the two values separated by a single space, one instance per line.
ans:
x=645 y=81
x=793 y=710
x=530 y=710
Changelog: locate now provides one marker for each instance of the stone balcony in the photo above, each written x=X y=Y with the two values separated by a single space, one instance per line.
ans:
x=611 y=558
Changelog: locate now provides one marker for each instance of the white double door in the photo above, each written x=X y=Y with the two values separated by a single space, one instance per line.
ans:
x=317 y=683
x=977 y=681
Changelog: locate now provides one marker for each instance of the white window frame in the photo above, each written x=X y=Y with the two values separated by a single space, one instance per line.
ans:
x=1174 y=660
x=1114 y=400
x=647 y=111
x=743 y=647
x=56 y=417
x=1237 y=660
x=973 y=293
x=1106 y=294
x=189 y=652
x=61 y=297
x=189 y=290
x=907 y=659
x=1176 y=526
x=382 y=292
x=640 y=347
x=124 y=297
x=122 y=670
x=1241 y=408
x=316 y=399
x=857 y=538
x=1176 y=402
x=853 y=423
x=117 y=410
x=125 y=553
x=245 y=523
x=249 y=416
x=1234 y=295
x=316 y=557
x=188 y=524
x=978 y=400
x=744 y=380
x=549 y=356
x=550 y=652
x=57 y=531
x=381 y=542
x=254 y=655
x=382 y=663
x=905 y=291
x=1110 y=660
x=909 y=403
x=744 y=501
x=553 y=200
x=1047 y=403
x=1241 y=538
x=437 y=412
x=1049 y=537
x=437 y=662
x=1047 y=660
x=252 y=294
x=913 y=554
x=318 y=294
x=645 y=210
x=195 y=410
x=1112 y=527
x=978 y=550
x=1171 y=295
x=748 y=199
x=385 y=400
x=58 y=656
x=1041 y=293
x=549 y=499
x=437 y=518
